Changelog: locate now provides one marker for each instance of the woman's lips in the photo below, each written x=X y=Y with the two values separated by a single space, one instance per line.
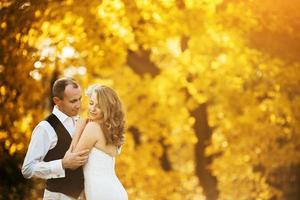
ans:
x=92 y=113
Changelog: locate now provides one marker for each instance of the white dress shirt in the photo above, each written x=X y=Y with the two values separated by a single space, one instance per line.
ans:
x=43 y=139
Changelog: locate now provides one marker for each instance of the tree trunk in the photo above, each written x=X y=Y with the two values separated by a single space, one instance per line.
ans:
x=203 y=133
x=141 y=64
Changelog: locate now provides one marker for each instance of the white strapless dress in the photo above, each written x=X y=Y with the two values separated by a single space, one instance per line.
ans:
x=100 y=180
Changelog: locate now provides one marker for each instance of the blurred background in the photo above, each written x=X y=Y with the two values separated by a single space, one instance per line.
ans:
x=211 y=90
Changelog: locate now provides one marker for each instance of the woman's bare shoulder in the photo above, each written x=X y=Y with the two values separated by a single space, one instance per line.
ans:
x=92 y=126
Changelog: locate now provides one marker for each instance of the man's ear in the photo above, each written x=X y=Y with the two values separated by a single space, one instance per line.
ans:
x=56 y=100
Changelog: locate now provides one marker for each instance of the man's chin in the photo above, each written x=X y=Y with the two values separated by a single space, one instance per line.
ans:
x=74 y=114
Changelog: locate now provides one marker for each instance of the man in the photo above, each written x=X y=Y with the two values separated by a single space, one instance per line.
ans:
x=48 y=156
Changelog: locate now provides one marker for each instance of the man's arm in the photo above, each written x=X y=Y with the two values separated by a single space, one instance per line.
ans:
x=40 y=144
x=33 y=165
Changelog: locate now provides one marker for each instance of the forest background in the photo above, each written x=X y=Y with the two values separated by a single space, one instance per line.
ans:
x=210 y=87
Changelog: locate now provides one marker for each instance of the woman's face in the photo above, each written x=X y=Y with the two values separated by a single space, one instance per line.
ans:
x=95 y=112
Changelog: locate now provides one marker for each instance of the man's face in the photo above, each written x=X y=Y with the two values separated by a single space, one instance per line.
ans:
x=71 y=103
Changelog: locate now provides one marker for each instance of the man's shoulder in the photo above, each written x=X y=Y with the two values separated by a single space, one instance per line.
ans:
x=43 y=125
x=43 y=128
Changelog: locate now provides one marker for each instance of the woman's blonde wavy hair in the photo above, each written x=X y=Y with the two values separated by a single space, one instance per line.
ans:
x=113 y=123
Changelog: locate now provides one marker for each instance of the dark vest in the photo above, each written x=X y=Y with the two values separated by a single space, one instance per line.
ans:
x=72 y=183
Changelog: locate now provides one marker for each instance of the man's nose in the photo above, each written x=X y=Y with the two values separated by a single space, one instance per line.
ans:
x=78 y=104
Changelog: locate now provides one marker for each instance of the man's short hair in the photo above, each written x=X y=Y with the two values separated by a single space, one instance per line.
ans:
x=60 y=85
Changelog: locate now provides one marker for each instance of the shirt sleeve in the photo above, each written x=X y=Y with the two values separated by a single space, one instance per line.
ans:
x=33 y=165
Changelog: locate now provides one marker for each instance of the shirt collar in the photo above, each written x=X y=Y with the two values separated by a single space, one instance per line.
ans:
x=60 y=115
x=75 y=118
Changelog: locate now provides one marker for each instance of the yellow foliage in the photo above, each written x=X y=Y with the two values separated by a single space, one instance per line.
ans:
x=166 y=59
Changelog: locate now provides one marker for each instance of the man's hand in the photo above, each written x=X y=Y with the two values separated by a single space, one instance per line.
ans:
x=74 y=160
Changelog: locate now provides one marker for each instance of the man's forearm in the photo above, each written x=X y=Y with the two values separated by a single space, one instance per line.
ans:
x=44 y=170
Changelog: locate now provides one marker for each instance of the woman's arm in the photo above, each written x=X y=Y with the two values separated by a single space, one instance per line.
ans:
x=80 y=125
x=88 y=138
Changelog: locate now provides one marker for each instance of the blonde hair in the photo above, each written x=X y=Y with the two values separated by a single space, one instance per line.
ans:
x=113 y=123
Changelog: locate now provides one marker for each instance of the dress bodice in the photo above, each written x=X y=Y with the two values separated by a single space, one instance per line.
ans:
x=100 y=179
x=100 y=163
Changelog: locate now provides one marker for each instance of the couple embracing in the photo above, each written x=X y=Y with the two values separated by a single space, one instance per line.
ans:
x=77 y=156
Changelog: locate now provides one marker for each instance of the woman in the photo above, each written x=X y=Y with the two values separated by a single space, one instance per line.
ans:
x=103 y=135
